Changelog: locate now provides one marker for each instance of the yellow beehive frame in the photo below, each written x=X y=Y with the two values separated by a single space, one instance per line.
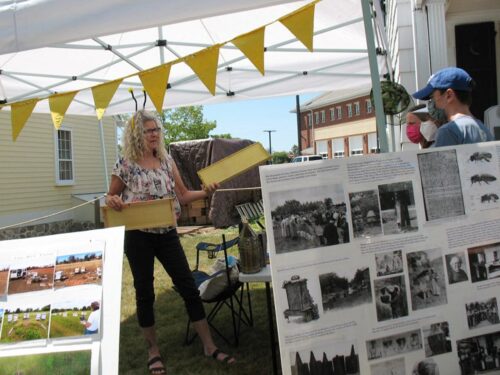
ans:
x=140 y=215
x=234 y=164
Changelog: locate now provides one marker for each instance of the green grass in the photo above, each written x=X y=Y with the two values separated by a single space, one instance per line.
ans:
x=70 y=325
x=75 y=363
x=24 y=329
x=253 y=353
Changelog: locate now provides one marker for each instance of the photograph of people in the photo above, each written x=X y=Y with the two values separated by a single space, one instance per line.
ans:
x=309 y=218
x=147 y=172
x=437 y=339
x=397 y=205
x=365 y=211
x=482 y=313
x=94 y=320
x=484 y=262
x=426 y=367
x=455 y=267
x=390 y=297
x=426 y=275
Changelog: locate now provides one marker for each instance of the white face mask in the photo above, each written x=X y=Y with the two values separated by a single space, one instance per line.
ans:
x=428 y=130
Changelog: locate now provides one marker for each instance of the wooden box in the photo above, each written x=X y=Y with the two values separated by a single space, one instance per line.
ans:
x=141 y=215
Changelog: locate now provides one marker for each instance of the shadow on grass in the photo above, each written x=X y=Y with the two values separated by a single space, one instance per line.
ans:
x=253 y=354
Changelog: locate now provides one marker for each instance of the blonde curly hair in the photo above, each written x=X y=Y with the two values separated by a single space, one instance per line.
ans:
x=133 y=144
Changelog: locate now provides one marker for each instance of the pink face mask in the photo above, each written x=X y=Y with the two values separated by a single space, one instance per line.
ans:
x=413 y=133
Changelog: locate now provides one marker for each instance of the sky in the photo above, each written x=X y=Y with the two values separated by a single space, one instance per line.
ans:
x=249 y=118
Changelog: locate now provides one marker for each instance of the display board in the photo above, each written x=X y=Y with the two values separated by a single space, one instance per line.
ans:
x=60 y=302
x=387 y=264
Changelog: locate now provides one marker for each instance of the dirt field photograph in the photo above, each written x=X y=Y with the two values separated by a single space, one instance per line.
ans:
x=24 y=323
x=78 y=269
x=30 y=278
x=75 y=362
x=68 y=318
x=4 y=279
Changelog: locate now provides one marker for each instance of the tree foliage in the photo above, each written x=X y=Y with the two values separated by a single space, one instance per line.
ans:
x=186 y=123
x=280 y=157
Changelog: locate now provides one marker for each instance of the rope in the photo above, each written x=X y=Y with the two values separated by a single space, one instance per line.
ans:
x=50 y=215
x=239 y=189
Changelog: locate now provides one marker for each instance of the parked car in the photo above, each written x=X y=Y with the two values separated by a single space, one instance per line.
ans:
x=299 y=159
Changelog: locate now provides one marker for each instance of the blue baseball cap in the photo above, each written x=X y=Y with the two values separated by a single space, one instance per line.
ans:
x=447 y=78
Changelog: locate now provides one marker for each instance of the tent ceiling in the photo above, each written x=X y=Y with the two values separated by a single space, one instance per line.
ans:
x=339 y=62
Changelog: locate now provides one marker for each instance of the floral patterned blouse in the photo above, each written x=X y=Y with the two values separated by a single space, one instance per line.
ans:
x=142 y=184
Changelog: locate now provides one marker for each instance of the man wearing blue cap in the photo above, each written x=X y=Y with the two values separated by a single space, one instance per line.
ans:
x=449 y=89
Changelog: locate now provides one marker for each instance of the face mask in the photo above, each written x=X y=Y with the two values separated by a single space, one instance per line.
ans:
x=436 y=113
x=413 y=133
x=428 y=130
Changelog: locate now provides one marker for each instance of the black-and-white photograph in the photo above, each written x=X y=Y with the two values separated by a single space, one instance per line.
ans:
x=336 y=358
x=441 y=184
x=301 y=306
x=391 y=298
x=482 y=313
x=397 y=204
x=392 y=367
x=425 y=367
x=309 y=218
x=345 y=288
x=389 y=263
x=365 y=212
x=397 y=344
x=484 y=262
x=479 y=354
x=426 y=275
x=455 y=265
x=437 y=339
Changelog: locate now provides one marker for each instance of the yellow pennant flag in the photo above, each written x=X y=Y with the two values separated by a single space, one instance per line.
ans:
x=155 y=83
x=103 y=95
x=20 y=113
x=301 y=24
x=252 y=46
x=59 y=104
x=204 y=63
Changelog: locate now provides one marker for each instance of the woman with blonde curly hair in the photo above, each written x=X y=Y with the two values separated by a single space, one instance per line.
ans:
x=147 y=172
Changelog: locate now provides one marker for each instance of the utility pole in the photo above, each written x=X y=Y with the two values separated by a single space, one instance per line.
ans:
x=269 y=132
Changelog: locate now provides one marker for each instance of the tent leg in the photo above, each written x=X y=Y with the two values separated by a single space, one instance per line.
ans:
x=103 y=150
x=377 y=91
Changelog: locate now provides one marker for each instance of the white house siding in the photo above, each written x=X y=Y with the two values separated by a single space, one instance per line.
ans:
x=27 y=167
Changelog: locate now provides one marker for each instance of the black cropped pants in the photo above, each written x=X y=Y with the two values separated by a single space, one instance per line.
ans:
x=141 y=249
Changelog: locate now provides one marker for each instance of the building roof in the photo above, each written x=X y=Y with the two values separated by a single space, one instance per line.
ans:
x=332 y=97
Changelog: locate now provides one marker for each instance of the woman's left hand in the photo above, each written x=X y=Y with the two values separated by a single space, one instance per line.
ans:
x=210 y=189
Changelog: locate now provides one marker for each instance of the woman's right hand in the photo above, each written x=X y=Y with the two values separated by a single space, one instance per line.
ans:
x=115 y=202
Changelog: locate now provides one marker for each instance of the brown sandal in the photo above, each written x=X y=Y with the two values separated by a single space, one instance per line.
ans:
x=226 y=360
x=160 y=370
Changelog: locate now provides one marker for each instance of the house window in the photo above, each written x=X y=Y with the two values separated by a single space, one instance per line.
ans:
x=316 y=118
x=356 y=109
x=338 y=154
x=349 y=110
x=357 y=152
x=339 y=112
x=369 y=107
x=332 y=114
x=323 y=117
x=64 y=157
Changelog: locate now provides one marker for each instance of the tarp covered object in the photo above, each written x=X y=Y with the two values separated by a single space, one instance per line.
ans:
x=123 y=39
x=192 y=156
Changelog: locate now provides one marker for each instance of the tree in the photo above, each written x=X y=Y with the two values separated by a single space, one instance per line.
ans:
x=186 y=123
x=295 y=150
x=280 y=157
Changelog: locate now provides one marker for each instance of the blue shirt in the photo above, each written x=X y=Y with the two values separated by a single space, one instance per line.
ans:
x=465 y=129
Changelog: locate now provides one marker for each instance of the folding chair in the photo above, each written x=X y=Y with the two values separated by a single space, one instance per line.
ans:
x=231 y=297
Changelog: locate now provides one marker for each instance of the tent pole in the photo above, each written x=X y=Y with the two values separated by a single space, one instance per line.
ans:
x=103 y=150
x=377 y=91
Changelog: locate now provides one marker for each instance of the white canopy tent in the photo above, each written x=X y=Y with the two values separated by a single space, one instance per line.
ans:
x=43 y=52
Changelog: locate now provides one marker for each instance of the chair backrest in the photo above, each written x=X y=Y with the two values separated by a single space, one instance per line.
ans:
x=213 y=250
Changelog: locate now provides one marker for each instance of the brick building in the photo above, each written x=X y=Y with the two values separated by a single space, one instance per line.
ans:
x=338 y=126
